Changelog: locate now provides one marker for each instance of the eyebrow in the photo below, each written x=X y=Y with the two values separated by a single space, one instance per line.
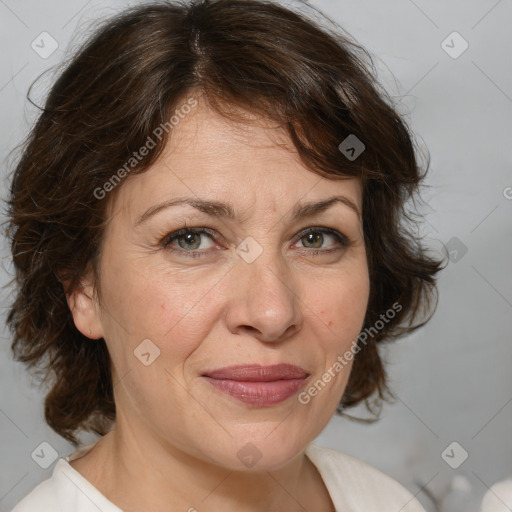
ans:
x=225 y=210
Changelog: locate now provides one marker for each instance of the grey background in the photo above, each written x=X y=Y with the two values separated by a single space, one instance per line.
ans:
x=452 y=378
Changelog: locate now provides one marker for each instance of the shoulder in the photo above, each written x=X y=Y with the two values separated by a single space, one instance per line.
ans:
x=43 y=497
x=66 y=491
x=359 y=486
x=498 y=498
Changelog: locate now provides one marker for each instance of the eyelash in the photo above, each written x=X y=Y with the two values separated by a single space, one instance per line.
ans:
x=197 y=253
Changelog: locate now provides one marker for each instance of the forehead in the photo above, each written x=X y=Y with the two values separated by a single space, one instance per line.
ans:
x=249 y=164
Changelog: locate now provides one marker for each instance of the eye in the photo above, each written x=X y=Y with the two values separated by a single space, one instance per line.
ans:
x=314 y=238
x=189 y=240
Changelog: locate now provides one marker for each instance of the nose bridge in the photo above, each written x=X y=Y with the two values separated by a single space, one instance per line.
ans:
x=265 y=298
x=268 y=271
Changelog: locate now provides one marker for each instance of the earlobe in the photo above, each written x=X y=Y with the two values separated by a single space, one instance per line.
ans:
x=84 y=308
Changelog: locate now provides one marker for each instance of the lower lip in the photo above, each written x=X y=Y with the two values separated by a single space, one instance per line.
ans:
x=258 y=393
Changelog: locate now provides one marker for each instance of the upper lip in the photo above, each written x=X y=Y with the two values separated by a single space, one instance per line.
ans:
x=258 y=373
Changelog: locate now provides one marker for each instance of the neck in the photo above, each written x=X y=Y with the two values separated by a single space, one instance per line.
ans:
x=140 y=472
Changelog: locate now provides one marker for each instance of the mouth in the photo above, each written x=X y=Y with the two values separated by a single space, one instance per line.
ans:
x=258 y=385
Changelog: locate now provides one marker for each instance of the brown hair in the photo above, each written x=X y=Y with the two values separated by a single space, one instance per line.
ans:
x=118 y=89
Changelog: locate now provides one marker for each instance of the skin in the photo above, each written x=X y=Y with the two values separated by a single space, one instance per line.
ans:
x=175 y=442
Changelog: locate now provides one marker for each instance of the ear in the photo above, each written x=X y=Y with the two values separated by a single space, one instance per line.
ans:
x=84 y=306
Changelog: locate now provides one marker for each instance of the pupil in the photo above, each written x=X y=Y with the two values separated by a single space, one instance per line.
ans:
x=189 y=240
x=311 y=238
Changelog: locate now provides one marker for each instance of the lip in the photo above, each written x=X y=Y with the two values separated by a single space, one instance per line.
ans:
x=256 y=384
x=258 y=373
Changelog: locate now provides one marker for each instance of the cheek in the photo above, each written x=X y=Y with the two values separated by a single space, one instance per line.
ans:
x=339 y=306
x=174 y=313
x=174 y=318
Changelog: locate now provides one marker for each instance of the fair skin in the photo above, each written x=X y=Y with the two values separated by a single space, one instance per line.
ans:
x=175 y=442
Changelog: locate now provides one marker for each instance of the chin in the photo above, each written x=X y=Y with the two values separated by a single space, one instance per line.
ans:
x=258 y=453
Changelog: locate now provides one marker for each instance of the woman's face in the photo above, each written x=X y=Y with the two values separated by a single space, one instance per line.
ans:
x=262 y=287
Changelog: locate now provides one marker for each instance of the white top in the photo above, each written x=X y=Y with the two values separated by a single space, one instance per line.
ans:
x=498 y=498
x=353 y=485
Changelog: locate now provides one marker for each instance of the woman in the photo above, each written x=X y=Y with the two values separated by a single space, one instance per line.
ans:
x=207 y=230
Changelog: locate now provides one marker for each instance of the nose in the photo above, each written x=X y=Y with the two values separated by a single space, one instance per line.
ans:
x=263 y=302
